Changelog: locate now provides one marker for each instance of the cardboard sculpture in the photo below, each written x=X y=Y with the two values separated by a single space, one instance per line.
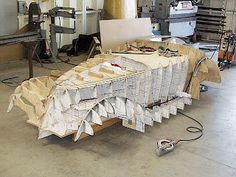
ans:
x=139 y=89
x=201 y=68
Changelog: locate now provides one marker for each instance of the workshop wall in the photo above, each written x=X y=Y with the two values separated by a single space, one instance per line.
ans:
x=8 y=17
x=146 y=3
x=9 y=25
x=12 y=53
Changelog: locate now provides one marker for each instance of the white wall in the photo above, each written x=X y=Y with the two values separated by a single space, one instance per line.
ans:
x=8 y=17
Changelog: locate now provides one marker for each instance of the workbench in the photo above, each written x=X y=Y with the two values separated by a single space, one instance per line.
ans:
x=29 y=39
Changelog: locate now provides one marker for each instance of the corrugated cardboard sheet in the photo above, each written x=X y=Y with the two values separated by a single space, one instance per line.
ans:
x=116 y=32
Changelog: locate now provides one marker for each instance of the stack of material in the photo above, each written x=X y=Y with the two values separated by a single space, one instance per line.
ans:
x=211 y=22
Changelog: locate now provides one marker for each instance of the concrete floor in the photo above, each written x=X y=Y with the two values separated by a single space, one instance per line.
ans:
x=118 y=151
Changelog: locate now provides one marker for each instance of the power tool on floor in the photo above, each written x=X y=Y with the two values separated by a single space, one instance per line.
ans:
x=165 y=146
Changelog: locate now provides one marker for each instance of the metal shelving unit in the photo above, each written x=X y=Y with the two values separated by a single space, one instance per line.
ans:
x=211 y=20
x=88 y=14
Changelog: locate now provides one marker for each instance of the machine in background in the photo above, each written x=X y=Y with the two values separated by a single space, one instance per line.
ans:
x=32 y=36
x=65 y=12
x=176 y=18
x=227 y=52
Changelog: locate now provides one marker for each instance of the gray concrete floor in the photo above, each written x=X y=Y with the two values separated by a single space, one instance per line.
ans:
x=118 y=151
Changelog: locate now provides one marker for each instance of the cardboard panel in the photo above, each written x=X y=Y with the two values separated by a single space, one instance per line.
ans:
x=116 y=32
x=11 y=53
